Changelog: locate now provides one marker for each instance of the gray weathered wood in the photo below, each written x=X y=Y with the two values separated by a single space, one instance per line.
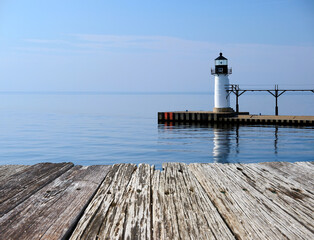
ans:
x=249 y=213
x=53 y=211
x=19 y=186
x=123 y=201
x=8 y=170
x=136 y=204
x=300 y=172
x=101 y=218
x=182 y=209
x=289 y=195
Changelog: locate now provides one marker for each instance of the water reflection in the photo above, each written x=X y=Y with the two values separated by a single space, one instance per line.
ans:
x=220 y=139
x=276 y=140
x=223 y=143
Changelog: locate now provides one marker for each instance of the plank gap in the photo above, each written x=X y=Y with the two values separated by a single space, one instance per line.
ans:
x=216 y=207
x=71 y=229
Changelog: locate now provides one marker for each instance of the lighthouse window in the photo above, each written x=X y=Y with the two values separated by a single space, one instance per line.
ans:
x=220 y=70
x=221 y=62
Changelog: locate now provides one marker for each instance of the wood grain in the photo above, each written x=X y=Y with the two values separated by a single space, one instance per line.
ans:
x=248 y=212
x=301 y=172
x=53 y=211
x=125 y=201
x=8 y=170
x=19 y=186
x=289 y=195
x=104 y=217
x=182 y=209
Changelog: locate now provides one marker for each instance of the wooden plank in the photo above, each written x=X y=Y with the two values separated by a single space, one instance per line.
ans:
x=8 y=170
x=19 y=186
x=53 y=211
x=249 y=213
x=298 y=172
x=182 y=209
x=130 y=217
x=101 y=218
x=289 y=195
x=199 y=201
x=137 y=206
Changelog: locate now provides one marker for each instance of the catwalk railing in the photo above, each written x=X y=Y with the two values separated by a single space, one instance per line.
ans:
x=276 y=92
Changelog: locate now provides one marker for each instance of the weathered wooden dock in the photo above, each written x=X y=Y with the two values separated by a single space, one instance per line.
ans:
x=238 y=118
x=125 y=201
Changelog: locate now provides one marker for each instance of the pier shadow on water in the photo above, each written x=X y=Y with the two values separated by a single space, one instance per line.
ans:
x=225 y=143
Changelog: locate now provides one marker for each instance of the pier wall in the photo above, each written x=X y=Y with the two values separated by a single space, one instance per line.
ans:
x=237 y=118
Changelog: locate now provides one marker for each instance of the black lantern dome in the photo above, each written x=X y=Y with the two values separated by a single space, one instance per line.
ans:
x=221 y=65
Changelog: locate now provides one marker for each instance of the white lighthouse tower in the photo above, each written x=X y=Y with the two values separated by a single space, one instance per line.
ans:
x=221 y=72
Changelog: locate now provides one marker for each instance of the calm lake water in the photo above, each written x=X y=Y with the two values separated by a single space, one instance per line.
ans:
x=98 y=128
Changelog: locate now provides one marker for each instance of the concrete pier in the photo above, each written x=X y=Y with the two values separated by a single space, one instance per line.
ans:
x=239 y=118
x=125 y=201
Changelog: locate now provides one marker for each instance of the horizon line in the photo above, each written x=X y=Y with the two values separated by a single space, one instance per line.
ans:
x=103 y=92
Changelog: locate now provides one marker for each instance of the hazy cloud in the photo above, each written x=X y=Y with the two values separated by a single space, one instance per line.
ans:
x=148 y=63
x=113 y=43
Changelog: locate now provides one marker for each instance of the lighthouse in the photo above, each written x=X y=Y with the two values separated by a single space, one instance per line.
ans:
x=221 y=72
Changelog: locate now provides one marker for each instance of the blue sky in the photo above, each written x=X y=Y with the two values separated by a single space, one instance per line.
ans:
x=153 y=46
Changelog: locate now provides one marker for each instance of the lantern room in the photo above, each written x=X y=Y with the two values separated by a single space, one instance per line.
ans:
x=221 y=66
